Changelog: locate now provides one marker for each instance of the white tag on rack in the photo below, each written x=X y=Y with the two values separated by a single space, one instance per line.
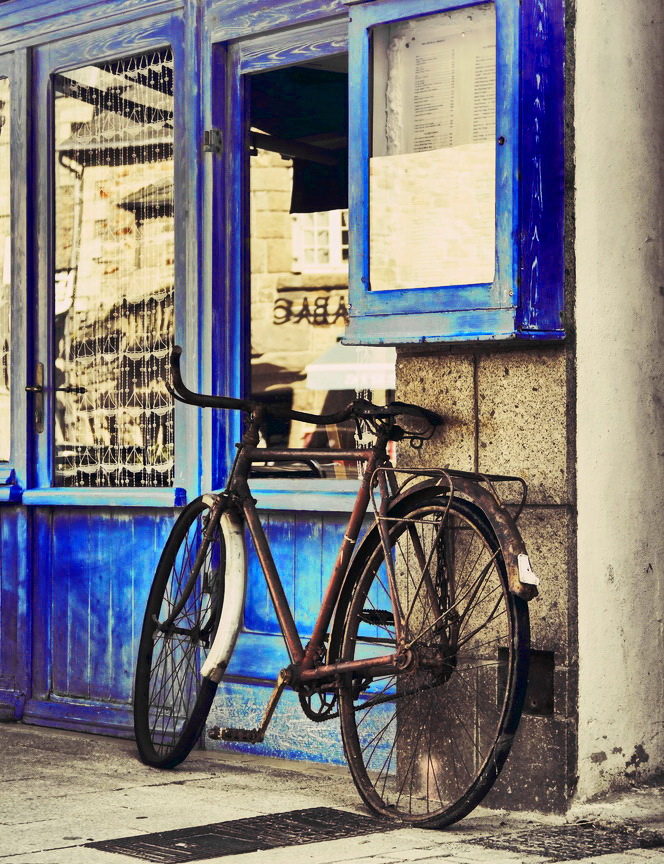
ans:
x=526 y=574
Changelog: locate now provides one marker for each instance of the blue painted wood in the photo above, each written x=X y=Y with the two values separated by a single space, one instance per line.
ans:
x=259 y=656
x=305 y=547
x=231 y=19
x=286 y=49
x=66 y=497
x=15 y=647
x=462 y=326
x=103 y=718
x=15 y=68
x=41 y=147
x=311 y=569
x=315 y=496
x=134 y=37
x=96 y=568
x=290 y=736
x=542 y=166
x=506 y=284
x=24 y=24
x=259 y=615
x=228 y=261
x=444 y=298
x=185 y=40
x=40 y=612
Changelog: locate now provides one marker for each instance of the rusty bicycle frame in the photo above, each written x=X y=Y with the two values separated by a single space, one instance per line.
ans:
x=307 y=666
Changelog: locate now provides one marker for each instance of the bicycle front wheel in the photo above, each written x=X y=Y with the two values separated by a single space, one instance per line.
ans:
x=425 y=743
x=171 y=698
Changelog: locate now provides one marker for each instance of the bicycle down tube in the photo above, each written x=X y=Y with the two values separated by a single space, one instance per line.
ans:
x=305 y=659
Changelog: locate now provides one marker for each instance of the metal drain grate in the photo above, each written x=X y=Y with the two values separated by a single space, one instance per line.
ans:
x=245 y=835
x=572 y=842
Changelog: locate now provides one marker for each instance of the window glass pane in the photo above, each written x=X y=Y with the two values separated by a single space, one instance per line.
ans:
x=432 y=170
x=299 y=278
x=114 y=272
x=5 y=274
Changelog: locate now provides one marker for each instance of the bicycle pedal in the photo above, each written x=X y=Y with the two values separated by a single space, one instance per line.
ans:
x=229 y=733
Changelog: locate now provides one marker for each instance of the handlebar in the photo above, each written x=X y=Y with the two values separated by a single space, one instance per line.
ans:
x=358 y=408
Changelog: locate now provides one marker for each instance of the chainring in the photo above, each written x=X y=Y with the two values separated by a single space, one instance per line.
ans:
x=319 y=705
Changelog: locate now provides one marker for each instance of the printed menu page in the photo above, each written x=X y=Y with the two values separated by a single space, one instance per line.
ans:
x=432 y=174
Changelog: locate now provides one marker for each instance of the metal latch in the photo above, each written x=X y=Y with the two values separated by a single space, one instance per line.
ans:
x=213 y=141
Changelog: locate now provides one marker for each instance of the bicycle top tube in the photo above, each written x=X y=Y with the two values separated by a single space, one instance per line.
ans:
x=358 y=408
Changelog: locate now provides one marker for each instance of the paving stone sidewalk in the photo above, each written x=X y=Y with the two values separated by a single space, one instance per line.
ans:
x=61 y=790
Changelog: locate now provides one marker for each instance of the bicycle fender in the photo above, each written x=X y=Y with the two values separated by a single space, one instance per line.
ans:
x=521 y=580
x=234 y=595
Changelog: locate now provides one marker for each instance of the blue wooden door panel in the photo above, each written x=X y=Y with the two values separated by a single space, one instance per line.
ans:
x=304 y=546
x=311 y=569
x=14 y=625
x=280 y=532
x=95 y=578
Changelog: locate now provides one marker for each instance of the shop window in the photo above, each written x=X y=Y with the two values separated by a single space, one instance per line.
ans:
x=456 y=160
x=5 y=274
x=114 y=272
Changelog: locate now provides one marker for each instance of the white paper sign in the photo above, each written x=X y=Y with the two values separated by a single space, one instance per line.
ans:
x=432 y=174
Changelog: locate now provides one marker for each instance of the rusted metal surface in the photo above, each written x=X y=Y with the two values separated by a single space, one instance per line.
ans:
x=238 y=836
x=470 y=486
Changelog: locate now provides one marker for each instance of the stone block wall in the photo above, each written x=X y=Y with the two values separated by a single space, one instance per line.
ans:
x=508 y=411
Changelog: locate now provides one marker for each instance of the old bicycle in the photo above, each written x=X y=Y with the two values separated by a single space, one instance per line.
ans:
x=422 y=641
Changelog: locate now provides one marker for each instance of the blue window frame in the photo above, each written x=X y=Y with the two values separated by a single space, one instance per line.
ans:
x=525 y=297
x=108 y=45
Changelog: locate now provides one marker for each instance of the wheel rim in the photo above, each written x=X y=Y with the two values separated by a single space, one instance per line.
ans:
x=174 y=684
x=425 y=745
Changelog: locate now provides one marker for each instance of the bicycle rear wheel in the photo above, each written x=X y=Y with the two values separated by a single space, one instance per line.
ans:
x=171 y=698
x=424 y=744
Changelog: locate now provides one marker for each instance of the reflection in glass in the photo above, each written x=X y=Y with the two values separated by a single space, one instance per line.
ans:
x=299 y=264
x=114 y=272
x=298 y=315
x=5 y=273
x=432 y=170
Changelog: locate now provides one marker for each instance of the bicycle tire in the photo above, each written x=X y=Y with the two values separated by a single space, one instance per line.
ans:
x=171 y=698
x=424 y=745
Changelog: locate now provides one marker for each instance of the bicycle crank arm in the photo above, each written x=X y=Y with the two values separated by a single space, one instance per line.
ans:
x=254 y=736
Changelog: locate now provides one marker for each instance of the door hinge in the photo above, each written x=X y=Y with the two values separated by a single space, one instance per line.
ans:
x=213 y=141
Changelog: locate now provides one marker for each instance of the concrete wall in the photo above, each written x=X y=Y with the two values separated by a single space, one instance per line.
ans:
x=619 y=106
x=507 y=412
